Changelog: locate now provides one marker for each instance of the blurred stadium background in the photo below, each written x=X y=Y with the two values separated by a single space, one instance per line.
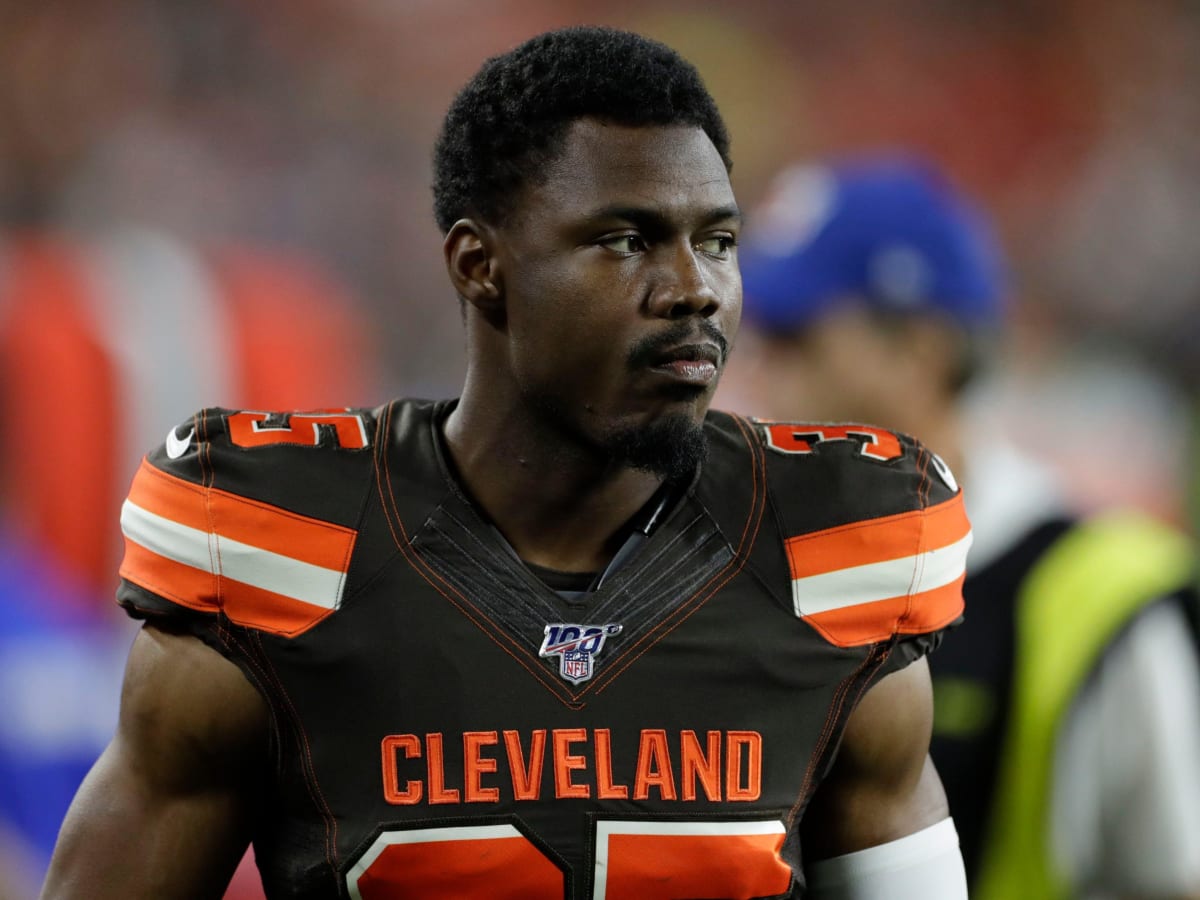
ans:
x=174 y=176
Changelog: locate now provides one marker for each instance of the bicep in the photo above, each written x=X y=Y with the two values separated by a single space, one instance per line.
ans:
x=167 y=809
x=882 y=785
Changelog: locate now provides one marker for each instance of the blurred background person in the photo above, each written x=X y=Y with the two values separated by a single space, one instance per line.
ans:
x=1067 y=723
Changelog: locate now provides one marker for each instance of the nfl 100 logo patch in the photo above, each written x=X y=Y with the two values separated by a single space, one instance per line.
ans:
x=576 y=647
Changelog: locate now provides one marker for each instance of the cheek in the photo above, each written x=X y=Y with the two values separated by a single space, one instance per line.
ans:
x=567 y=341
x=729 y=319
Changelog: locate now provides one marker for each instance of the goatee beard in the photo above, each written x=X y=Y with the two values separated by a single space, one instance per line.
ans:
x=673 y=447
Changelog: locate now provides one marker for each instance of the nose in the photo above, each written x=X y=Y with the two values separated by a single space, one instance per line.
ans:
x=684 y=287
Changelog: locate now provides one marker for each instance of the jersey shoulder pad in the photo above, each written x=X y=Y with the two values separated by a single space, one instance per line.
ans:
x=874 y=530
x=250 y=514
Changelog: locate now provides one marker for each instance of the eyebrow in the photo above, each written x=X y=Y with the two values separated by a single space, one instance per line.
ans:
x=651 y=218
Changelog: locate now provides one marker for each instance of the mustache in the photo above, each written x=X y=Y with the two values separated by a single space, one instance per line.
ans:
x=650 y=348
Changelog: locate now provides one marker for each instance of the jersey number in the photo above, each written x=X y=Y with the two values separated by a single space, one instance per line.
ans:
x=643 y=859
x=310 y=429
x=873 y=443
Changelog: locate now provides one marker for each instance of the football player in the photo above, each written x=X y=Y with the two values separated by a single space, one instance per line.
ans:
x=570 y=634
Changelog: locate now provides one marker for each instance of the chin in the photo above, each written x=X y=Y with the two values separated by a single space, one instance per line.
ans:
x=671 y=445
x=666 y=437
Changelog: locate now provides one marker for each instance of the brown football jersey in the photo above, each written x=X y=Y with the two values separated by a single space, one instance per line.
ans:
x=447 y=725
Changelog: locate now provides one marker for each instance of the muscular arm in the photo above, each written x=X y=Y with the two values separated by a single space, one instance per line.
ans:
x=882 y=786
x=167 y=809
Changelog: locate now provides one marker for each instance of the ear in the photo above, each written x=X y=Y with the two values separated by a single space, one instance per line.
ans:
x=473 y=268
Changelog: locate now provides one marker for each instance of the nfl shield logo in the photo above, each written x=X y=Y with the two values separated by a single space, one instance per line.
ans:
x=577 y=665
x=576 y=647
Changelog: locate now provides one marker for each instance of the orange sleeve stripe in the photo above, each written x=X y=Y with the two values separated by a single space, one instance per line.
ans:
x=878 y=540
x=202 y=591
x=241 y=519
x=868 y=623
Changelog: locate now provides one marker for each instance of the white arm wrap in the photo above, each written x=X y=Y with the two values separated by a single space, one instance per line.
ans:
x=926 y=865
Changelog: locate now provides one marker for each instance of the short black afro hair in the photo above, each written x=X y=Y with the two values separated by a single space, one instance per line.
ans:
x=512 y=117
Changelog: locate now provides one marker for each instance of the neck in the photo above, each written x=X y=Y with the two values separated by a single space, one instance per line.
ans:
x=558 y=503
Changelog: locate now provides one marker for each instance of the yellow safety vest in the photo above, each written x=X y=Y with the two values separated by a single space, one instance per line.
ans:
x=1074 y=600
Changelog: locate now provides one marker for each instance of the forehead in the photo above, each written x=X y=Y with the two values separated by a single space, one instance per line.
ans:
x=674 y=170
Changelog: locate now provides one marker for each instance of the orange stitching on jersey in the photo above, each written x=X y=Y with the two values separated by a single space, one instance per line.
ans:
x=163 y=590
x=153 y=587
x=315 y=792
x=690 y=606
x=229 y=638
x=831 y=717
x=413 y=558
x=832 y=714
x=310 y=770
x=924 y=488
x=832 y=638
x=918 y=562
x=758 y=467
x=923 y=492
x=317 y=798
x=208 y=477
x=206 y=489
x=855 y=526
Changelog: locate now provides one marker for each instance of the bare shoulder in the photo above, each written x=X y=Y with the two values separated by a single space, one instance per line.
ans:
x=179 y=781
x=882 y=785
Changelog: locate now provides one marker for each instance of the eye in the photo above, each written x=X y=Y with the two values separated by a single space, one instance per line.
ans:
x=624 y=243
x=717 y=245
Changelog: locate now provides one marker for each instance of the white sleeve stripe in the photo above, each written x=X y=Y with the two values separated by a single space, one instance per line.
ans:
x=872 y=582
x=245 y=563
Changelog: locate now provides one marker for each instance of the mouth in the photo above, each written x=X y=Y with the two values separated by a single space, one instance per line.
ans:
x=694 y=364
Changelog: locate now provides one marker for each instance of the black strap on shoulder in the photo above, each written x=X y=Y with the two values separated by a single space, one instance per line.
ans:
x=1189 y=602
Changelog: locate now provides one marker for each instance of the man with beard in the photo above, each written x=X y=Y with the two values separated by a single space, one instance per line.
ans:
x=569 y=635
